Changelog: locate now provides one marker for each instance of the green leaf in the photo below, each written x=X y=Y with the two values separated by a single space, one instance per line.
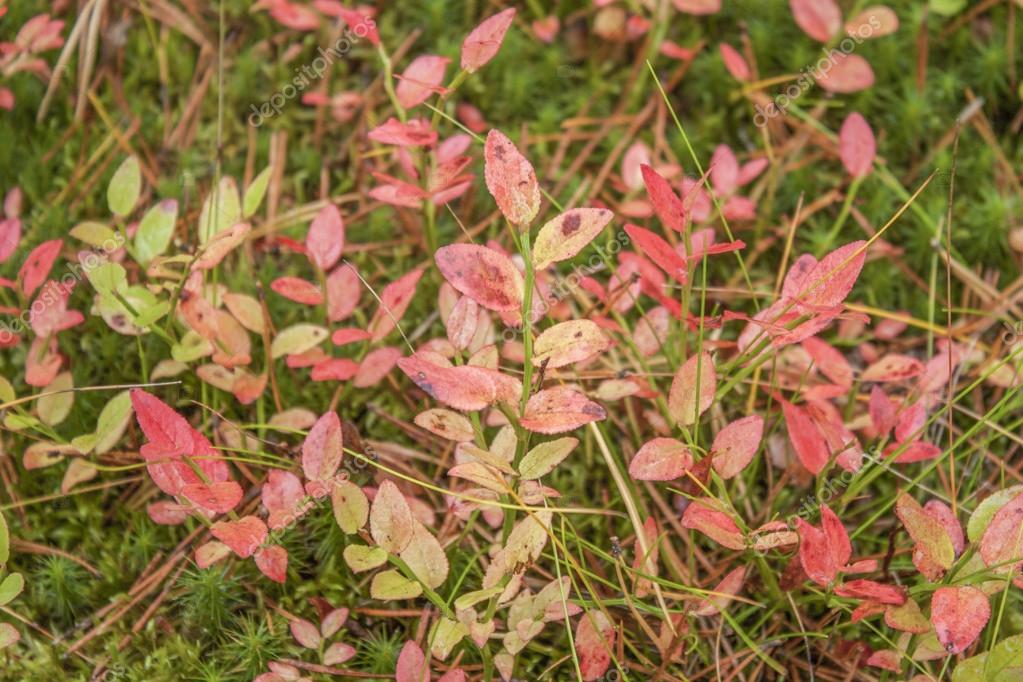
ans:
x=125 y=187
x=542 y=459
x=11 y=587
x=5 y=542
x=155 y=231
x=112 y=422
x=947 y=8
x=221 y=210
x=53 y=409
x=986 y=510
x=191 y=347
x=254 y=193
x=108 y=278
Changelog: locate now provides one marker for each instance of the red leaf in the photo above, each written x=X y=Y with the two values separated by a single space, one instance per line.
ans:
x=819 y=19
x=848 y=73
x=298 y=290
x=661 y=459
x=825 y=285
x=272 y=562
x=706 y=516
x=959 y=614
x=825 y=551
x=724 y=170
x=220 y=497
x=416 y=133
x=463 y=387
x=37 y=266
x=486 y=276
x=322 y=449
x=735 y=445
x=480 y=46
x=243 y=536
x=856 y=145
x=874 y=591
x=360 y=25
x=659 y=251
x=667 y=205
x=325 y=240
x=594 y=642
x=510 y=179
x=806 y=439
x=559 y=409
x=723 y=591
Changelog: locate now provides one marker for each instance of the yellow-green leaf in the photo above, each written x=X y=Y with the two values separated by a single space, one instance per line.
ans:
x=364 y=558
x=125 y=187
x=297 y=339
x=390 y=585
x=542 y=459
x=54 y=408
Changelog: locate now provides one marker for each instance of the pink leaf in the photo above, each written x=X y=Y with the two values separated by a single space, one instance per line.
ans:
x=848 y=73
x=326 y=238
x=480 y=46
x=416 y=133
x=819 y=19
x=10 y=236
x=510 y=179
x=893 y=367
x=272 y=562
x=344 y=290
x=394 y=301
x=959 y=614
x=375 y=366
x=463 y=387
x=594 y=642
x=421 y=79
x=856 y=145
x=661 y=459
x=560 y=409
x=281 y=495
x=735 y=445
x=483 y=274
x=298 y=290
x=37 y=266
x=825 y=285
x=305 y=633
x=322 y=449
x=723 y=591
x=734 y=62
x=412 y=664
